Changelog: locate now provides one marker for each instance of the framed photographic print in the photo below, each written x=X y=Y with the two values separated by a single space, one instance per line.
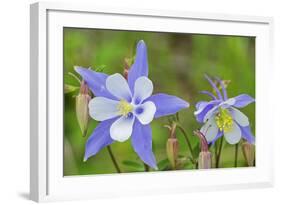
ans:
x=127 y=102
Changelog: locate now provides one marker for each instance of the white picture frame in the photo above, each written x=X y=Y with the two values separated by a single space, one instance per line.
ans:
x=47 y=182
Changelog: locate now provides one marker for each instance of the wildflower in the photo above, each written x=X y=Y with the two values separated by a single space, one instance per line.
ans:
x=126 y=108
x=221 y=116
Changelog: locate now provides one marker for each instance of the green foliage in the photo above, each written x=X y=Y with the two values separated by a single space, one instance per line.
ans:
x=163 y=164
x=177 y=64
x=70 y=88
x=134 y=165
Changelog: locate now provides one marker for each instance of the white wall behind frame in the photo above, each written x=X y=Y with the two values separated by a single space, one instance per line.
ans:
x=14 y=124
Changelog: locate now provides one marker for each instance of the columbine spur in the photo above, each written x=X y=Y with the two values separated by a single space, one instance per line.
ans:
x=125 y=108
x=221 y=116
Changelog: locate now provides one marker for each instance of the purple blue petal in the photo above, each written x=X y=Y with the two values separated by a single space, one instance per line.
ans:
x=142 y=143
x=247 y=134
x=140 y=66
x=243 y=100
x=95 y=81
x=204 y=109
x=98 y=139
x=167 y=104
x=215 y=87
x=223 y=88
x=209 y=94
x=201 y=104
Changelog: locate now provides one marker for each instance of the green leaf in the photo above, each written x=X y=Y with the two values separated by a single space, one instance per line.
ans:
x=70 y=88
x=196 y=150
x=182 y=161
x=132 y=164
x=163 y=164
x=188 y=165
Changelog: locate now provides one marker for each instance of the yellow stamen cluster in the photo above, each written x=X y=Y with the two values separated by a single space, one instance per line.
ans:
x=224 y=120
x=124 y=107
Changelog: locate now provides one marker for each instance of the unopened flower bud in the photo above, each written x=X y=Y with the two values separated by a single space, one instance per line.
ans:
x=172 y=151
x=205 y=157
x=127 y=65
x=249 y=153
x=172 y=147
x=205 y=160
x=82 y=110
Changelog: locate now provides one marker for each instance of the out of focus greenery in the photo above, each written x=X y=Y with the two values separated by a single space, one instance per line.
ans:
x=177 y=64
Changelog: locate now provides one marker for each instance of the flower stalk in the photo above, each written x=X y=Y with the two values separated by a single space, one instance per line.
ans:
x=187 y=142
x=113 y=159
x=218 y=157
x=236 y=155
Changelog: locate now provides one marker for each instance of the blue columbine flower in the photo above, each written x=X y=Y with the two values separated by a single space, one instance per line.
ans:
x=221 y=116
x=125 y=108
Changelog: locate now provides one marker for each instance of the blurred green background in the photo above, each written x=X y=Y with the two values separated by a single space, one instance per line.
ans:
x=177 y=64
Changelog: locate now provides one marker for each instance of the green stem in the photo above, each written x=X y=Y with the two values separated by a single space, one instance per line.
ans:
x=216 y=151
x=236 y=155
x=219 y=153
x=187 y=141
x=146 y=167
x=113 y=159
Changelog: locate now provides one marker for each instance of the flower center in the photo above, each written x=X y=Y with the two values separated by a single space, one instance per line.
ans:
x=224 y=120
x=124 y=107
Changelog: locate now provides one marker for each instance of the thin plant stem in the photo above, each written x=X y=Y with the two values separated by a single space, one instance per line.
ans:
x=146 y=167
x=219 y=153
x=113 y=159
x=236 y=155
x=187 y=141
x=216 y=151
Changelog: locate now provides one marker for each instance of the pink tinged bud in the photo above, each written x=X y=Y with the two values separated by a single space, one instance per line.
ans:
x=82 y=110
x=125 y=73
x=172 y=147
x=203 y=141
x=205 y=160
x=205 y=157
x=249 y=153
x=126 y=68
x=172 y=151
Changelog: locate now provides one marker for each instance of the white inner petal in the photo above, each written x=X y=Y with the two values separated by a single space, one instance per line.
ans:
x=101 y=108
x=234 y=135
x=211 y=113
x=240 y=117
x=145 y=112
x=230 y=101
x=143 y=89
x=210 y=129
x=117 y=85
x=122 y=128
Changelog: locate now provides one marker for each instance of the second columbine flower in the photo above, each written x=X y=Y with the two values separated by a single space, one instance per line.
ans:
x=221 y=116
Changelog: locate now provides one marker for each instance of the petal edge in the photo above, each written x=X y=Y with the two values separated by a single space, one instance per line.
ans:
x=167 y=104
x=142 y=143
